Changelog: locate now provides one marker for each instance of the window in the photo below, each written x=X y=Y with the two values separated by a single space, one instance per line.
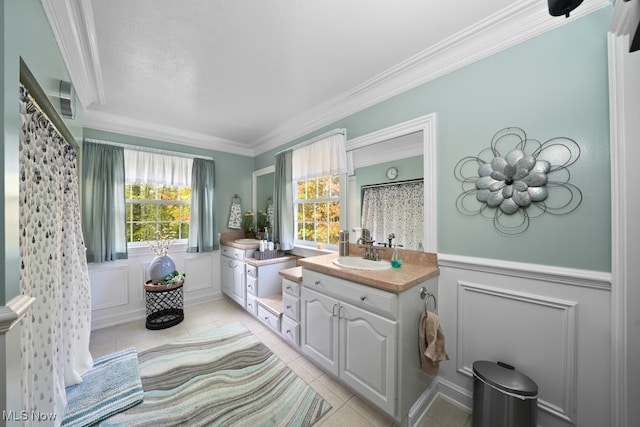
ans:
x=317 y=207
x=152 y=208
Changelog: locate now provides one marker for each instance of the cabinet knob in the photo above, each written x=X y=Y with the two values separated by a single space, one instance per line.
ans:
x=289 y=287
x=362 y=298
x=289 y=307
x=317 y=282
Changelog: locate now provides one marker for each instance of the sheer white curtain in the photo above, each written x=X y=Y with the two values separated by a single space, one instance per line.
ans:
x=55 y=333
x=156 y=168
x=326 y=156
x=397 y=209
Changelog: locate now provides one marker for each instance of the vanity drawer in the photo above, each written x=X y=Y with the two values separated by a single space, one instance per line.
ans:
x=252 y=270
x=252 y=285
x=291 y=331
x=232 y=252
x=291 y=306
x=269 y=318
x=252 y=304
x=364 y=296
x=290 y=287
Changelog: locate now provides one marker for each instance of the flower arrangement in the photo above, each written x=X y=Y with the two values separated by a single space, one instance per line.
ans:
x=173 y=279
x=162 y=243
x=262 y=220
x=247 y=221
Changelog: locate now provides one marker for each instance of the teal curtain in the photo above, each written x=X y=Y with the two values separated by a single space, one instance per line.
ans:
x=202 y=230
x=283 y=200
x=103 y=205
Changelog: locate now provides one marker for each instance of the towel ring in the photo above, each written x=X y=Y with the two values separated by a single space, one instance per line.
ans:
x=235 y=199
x=426 y=296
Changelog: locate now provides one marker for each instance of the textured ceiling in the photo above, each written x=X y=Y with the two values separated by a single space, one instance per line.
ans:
x=239 y=70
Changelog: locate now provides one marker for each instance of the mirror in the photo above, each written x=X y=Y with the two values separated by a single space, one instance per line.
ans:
x=262 y=191
x=408 y=146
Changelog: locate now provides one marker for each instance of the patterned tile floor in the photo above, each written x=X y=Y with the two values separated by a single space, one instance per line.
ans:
x=347 y=408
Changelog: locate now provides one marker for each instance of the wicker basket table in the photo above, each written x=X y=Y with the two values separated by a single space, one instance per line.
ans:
x=165 y=305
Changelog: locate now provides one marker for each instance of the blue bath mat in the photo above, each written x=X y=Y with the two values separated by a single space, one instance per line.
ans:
x=111 y=386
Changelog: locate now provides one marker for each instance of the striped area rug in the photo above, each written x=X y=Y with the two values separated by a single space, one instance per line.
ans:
x=225 y=377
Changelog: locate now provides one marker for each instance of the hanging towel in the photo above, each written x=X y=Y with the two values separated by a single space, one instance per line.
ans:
x=431 y=341
x=235 y=214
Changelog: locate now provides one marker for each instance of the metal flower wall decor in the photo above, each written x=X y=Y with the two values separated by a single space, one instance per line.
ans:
x=517 y=179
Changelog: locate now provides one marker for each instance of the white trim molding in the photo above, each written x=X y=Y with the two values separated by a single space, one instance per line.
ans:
x=132 y=127
x=427 y=125
x=547 y=273
x=74 y=30
x=624 y=131
x=14 y=311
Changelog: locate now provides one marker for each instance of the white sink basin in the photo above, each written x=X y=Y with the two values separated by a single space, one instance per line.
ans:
x=247 y=241
x=357 y=263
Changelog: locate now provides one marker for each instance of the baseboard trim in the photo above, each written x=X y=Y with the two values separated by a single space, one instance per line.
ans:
x=140 y=313
x=439 y=387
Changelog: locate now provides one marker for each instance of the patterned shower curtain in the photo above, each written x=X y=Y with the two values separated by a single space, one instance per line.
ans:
x=55 y=333
x=397 y=209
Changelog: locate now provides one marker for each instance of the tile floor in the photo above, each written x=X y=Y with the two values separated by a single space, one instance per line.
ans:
x=347 y=408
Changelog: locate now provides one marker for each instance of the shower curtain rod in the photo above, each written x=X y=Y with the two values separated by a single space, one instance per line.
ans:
x=387 y=184
x=149 y=150
x=314 y=139
x=43 y=104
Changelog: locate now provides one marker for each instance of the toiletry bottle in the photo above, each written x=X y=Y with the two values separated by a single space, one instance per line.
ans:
x=396 y=262
x=266 y=234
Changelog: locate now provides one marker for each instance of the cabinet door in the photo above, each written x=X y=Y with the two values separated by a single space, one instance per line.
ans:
x=320 y=329
x=368 y=355
x=226 y=268
x=239 y=286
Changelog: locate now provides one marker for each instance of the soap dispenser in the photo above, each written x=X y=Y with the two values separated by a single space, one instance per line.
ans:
x=396 y=262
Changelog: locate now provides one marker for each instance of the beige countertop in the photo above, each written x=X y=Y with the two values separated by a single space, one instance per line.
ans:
x=416 y=268
x=294 y=274
x=258 y=262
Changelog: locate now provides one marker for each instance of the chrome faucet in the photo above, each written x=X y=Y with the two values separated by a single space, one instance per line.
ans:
x=366 y=242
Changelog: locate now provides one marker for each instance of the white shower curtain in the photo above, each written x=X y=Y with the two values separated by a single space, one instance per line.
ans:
x=55 y=333
x=398 y=209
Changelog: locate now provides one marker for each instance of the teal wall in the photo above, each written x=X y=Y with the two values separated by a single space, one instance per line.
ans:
x=26 y=34
x=234 y=173
x=553 y=85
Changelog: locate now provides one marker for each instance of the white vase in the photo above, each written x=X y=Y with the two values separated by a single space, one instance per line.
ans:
x=160 y=267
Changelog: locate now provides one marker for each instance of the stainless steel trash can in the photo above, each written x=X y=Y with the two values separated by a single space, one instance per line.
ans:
x=502 y=396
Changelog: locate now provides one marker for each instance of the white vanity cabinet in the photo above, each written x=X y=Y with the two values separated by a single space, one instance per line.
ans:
x=291 y=312
x=232 y=271
x=366 y=337
x=263 y=278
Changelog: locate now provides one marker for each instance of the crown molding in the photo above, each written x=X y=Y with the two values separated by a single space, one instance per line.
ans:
x=127 y=126
x=74 y=30
x=513 y=25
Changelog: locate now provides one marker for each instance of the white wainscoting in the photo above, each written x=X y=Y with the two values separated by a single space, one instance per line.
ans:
x=552 y=324
x=117 y=292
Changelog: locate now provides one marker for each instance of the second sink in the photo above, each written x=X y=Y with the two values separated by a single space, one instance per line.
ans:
x=361 y=263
